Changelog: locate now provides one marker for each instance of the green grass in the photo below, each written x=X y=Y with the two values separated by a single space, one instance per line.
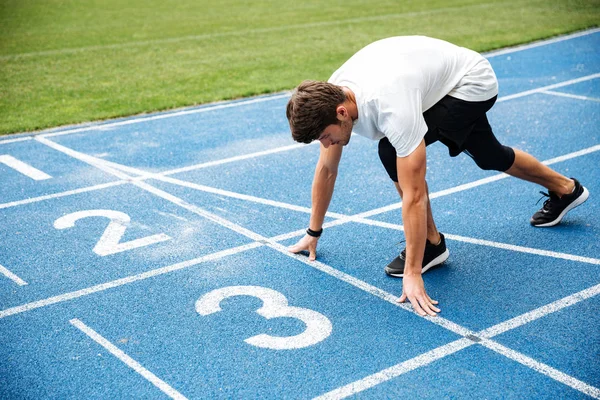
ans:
x=67 y=61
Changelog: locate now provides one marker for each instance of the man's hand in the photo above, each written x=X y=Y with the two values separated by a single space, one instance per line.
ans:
x=413 y=288
x=307 y=243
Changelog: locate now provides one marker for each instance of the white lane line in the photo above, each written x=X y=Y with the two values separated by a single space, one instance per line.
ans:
x=540 y=312
x=549 y=87
x=545 y=42
x=542 y=368
x=236 y=158
x=489 y=243
x=19 y=139
x=571 y=96
x=569 y=156
x=127 y=360
x=23 y=168
x=396 y=370
x=245 y=32
x=147 y=175
x=245 y=197
x=522 y=249
x=164 y=116
x=61 y=194
x=10 y=275
x=93 y=161
x=124 y=281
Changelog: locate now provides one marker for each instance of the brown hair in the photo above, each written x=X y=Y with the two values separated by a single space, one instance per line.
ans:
x=312 y=108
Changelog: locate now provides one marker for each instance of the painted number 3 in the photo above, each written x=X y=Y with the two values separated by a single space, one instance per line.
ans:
x=318 y=326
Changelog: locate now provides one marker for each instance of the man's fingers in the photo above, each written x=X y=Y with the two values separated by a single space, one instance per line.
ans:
x=295 y=248
x=433 y=301
x=312 y=256
x=428 y=307
x=417 y=306
x=402 y=298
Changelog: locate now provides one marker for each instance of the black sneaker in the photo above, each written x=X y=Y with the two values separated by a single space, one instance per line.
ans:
x=555 y=207
x=434 y=255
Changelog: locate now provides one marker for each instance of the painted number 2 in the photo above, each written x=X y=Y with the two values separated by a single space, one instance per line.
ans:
x=109 y=243
x=318 y=326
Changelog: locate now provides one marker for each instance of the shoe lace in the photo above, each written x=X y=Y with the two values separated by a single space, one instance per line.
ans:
x=548 y=203
x=403 y=252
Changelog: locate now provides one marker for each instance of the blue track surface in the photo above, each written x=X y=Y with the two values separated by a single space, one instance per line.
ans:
x=202 y=202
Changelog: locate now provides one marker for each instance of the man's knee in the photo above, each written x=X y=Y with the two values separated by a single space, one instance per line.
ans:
x=387 y=155
x=501 y=159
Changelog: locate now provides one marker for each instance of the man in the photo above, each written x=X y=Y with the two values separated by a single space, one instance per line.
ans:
x=409 y=92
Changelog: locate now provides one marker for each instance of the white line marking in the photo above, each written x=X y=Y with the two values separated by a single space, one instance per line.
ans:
x=246 y=32
x=163 y=116
x=93 y=161
x=124 y=281
x=549 y=87
x=130 y=362
x=19 y=139
x=245 y=197
x=62 y=194
x=522 y=249
x=540 y=312
x=146 y=175
x=397 y=370
x=545 y=42
x=236 y=158
x=489 y=243
x=23 y=168
x=572 y=155
x=542 y=368
x=571 y=96
x=10 y=275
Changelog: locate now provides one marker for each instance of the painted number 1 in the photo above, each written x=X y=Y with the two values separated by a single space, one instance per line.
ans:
x=318 y=326
x=110 y=243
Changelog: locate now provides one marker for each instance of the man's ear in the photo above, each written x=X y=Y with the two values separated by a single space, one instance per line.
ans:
x=342 y=112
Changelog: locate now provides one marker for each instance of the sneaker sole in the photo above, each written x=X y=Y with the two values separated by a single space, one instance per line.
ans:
x=435 y=262
x=578 y=201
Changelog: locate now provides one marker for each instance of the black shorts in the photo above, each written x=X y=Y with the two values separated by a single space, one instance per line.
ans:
x=462 y=126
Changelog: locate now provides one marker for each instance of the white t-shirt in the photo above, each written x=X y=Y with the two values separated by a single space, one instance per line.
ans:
x=395 y=80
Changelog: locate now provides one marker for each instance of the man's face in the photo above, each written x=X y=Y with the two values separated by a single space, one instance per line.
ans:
x=336 y=134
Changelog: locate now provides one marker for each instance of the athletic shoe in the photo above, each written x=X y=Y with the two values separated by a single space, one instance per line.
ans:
x=434 y=255
x=555 y=207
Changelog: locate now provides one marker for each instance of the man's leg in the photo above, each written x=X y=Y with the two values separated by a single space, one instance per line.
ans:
x=433 y=234
x=435 y=248
x=564 y=193
x=528 y=168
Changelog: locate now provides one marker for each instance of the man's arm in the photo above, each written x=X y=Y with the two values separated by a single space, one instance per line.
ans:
x=411 y=178
x=322 y=191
